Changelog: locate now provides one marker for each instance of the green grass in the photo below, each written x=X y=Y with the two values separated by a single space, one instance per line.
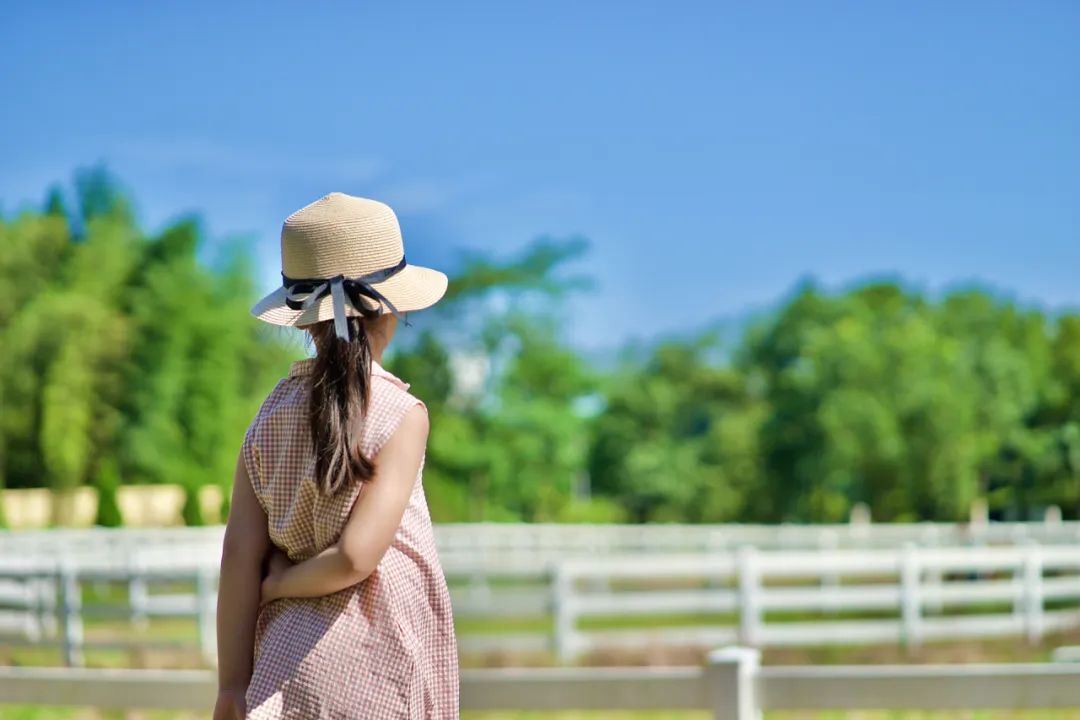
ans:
x=174 y=643
x=164 y=630
x=498 y=626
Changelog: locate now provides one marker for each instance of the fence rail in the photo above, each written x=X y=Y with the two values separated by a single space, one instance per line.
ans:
x=757 y=598
x=926 y=593
x=732 y=685
x=552 y=541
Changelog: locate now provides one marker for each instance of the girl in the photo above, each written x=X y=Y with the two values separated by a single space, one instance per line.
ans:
x=332 y=602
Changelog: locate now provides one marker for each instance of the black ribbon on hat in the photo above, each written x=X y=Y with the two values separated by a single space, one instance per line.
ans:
x=302 y=293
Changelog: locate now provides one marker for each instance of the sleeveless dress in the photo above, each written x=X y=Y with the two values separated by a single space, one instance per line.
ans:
x=383 y=649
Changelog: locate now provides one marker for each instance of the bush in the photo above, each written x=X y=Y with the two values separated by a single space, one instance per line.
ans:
x=593 y=510
x=226 y=502
x=192 y=509
x=108 y=509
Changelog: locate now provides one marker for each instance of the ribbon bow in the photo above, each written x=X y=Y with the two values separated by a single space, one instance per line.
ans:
x=301 y=294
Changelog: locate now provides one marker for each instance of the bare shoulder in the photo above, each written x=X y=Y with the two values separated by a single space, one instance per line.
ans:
x=409 y=434
x=415 y=424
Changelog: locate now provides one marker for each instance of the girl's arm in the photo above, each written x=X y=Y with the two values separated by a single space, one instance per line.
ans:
x=372 y=523
x=243 y=550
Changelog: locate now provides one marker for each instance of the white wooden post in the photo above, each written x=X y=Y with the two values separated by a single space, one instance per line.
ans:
x=731 y=683
x=562 y=584
x=980 y=519
x=138 y=594
x=206 y=607
x=828 y=541
x=1033 y=592
x=1052 y=525
x=910 y=597
x=35 y=608
x=932 y=580
x=859 y=521
x=47 y=590
x=749 y=593
x=71 y=620
x=1019 y=591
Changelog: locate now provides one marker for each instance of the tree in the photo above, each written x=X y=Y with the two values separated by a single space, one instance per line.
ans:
x=123 y=354
x=513 y=449
x=677 y=439
x=126 y=357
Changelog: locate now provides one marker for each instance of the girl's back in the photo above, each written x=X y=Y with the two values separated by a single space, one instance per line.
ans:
x=384 y=648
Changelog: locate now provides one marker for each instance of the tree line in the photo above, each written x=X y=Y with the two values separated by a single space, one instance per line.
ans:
x=126 y=359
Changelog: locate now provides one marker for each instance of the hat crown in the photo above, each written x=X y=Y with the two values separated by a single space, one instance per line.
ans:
x=340 y=234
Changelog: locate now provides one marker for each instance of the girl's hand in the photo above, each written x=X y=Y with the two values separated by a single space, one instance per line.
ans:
x=276 y=564
x=231 y=705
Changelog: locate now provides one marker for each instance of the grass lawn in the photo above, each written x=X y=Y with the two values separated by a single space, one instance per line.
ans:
x=174 y=645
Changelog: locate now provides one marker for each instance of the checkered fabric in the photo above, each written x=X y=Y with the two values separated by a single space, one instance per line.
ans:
x=384 y=648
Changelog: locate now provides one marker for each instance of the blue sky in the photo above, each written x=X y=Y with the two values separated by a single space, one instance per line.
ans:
x=713 y=153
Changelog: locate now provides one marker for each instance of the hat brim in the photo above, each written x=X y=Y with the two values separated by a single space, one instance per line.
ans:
x=413 y=288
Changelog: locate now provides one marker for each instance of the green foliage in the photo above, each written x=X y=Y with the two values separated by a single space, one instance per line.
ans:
x=108 y=482
x=192 y=512
x=226 y=504
x=512 y=447
x=126 y=357
x=122 y=353
x=678 y=439
x=916 y=408
x=592 y=510
x=535 y=270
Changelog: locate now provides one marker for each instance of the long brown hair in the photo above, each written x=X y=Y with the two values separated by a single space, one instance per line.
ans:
x=340 y=389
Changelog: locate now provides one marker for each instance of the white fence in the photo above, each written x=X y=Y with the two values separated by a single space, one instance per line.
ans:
x=930 y=593
x=760 y=598
x=732 y=685
x=542 y=542
x=554 y=540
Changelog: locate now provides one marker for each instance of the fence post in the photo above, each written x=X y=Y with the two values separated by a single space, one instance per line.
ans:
x=731 y=683
x=71 y=619
x=46 y=589
x=749 y=594
x=830 y=581
x=1052 y=526
x=34 y=605
x=979 y=523
x=859 y=521
x=910 y=597
x=932 y=581
x=562 y=583
x=138 y=595
x=1033 y=592
x=206 y=607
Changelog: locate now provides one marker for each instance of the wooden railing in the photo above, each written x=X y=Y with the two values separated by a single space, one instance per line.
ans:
x=732 y=685
x=553 y=541
x=752 y=597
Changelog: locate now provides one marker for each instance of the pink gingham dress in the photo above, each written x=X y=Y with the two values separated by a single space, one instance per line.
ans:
x=381 y=650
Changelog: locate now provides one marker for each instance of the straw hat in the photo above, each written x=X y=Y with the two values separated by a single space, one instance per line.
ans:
x=343 y=255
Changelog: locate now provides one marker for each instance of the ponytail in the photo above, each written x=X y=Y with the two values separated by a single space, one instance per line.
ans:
x=340 y=389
